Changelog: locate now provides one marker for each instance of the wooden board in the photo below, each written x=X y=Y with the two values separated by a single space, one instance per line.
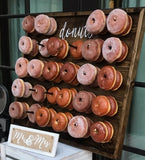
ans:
x=75 y=21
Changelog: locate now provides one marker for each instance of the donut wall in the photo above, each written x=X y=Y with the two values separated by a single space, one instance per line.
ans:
x=89 y=106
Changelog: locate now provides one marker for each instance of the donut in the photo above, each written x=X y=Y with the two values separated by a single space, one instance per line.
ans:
x=100 y=44
x=117 y=21
x=43 y=48
x=78 y=126
x=21 y=67
x=52 y=94
x=91 y=50
x=53 y=26
x=68 y=72
x=112 y=49
x=86 y=74
x=118 y=82
x=95 y=82
x=90 y=122
x=64 y=50
x=25 y=109
x=38 y=94
x=69 y=117
x=35 y=68
x=63 y=98
x=32 y=112
x=98 y=132
x=16 y=110
x=76 y=49
x=42 y=116
x=54 y=46
x=82 y=101
x=42 y=23
x=110 y=130
x=35 y=48
x=107 y=77
x=27 y=92
x=18 y=87
x=73 y=93
x=60 y=122
x=52 y=115
x=25 y=45
x=28 y=24
x=96 y=22
x=124 y=52
x=100 y=105
x=113 y=105
x=75 y=82
x=50 y=70
x=58 y=78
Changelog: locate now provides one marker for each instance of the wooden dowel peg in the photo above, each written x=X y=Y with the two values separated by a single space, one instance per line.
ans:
x=32 y=89
x=72 y=46
x=48 y=93
x=30 y=112
x=40 y=44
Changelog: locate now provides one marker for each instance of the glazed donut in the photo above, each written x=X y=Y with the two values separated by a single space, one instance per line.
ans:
x=63 y=98
x=118 y=82
x=43 y=48
x=54 y=46
x=25 y=45
x=18 y=87
x=75 y=82
x=35 y=68
x=107 y=77
x=112 y=49
x=32 y=112
x=96 y=22
x=52 y=115
x=28 y=24
x=25 y=109
x=16 y=110
x=95 y=82
x=21 y=67
x=53 y=26
x=69 y=117
x=50 y=70
x=110 y=130
x=64 y=50
x=35 y=48
x=53 y=94
x=58 y=78
x=39 y=94
x=124 y=52
x=100 y=44
x=90 y=122
x=99 y=132
x=91 y=50
x=113 y=105
x=78 y=126
x=27 y=92
x=100 y=105
x=82 y=101
x=42 y=116
x=86 y=74
x=76 y=51
x=117 y=21
x=60 y=122
x=42 y=23
x=68 y=72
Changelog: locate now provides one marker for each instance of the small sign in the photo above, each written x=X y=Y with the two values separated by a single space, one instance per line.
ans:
x=33 y=140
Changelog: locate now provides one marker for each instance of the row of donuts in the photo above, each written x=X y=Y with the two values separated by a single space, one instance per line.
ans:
x=118 y=22
x=77 y=126
x=43 y=24
x=93 y=50
x=82 y=101
x=107 y=78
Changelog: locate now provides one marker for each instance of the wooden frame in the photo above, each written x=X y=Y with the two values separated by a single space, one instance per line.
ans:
x=123 y=95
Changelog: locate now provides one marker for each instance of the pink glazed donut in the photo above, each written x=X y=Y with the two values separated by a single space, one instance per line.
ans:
x=86 y=74
x=112 y=49
x=42 y=23
x=27 y=92
x=21 y=67
x=43 y=48
x=25 y=45
x=96 y=22
x=53 y=27
x=28 y=24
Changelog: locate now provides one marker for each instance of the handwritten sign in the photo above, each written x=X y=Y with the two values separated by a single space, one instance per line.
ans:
x=33 y=140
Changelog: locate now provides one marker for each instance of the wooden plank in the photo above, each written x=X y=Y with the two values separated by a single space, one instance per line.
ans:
x=68 y=23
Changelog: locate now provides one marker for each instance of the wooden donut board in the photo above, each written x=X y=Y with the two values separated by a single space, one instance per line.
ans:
x=71 y=27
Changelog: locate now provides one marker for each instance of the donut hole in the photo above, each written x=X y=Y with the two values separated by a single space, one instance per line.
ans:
x=114 y=19
x=20 y=65
x=15 y=86
x=109 y=47
x=84 y=73
x=80 y=99
x=88 y=46
x=22 y=43
x=93 y=20
x=65 y=70
x=61 y=95
x=75 y=124
x=32 y=66
x=105 y=76
x=49 y=69
x=41 y=114
x=96 y=130
x=13 y=108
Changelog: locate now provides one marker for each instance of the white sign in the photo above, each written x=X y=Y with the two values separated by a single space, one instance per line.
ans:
x=33 y=140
